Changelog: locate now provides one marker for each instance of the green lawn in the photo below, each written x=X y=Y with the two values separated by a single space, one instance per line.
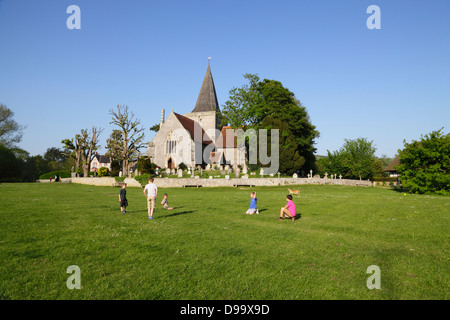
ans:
x=208 y=248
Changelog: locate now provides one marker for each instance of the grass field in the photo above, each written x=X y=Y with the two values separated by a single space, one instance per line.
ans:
x=208 y=248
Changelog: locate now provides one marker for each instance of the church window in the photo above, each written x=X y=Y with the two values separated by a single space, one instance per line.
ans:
x=171 y=144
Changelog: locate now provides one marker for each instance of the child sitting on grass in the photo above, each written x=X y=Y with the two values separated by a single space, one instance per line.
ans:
x=253 y=209
x=290 y=210
x=165 y=203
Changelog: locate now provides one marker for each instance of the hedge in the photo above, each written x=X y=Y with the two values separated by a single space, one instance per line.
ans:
x=61 y=174
x=385 y=179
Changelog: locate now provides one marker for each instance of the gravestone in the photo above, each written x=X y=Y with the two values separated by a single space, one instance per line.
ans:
x=180 y=173
x=210 y=177
x=278 y=175
x=295 y=176
x=340 y=176
x=227 y=177
x=326 y=175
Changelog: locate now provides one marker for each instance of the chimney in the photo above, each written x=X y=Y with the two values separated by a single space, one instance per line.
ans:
x=162 y=118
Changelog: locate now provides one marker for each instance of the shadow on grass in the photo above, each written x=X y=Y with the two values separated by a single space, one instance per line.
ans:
x=400 y=190
x=177 y=213
x=297 y=217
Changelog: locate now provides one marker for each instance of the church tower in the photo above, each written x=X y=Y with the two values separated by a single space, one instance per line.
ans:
x=206 y=111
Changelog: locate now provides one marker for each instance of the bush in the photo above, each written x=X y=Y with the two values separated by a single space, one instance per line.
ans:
x=119 y=179
x=425 y=165
x=103 y=172
x=61 y=174
x=146 y=166
x=143 y=178
x=387 y=179
x=182 y=166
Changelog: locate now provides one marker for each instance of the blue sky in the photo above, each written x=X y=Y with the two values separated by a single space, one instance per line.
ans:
x=386 y=85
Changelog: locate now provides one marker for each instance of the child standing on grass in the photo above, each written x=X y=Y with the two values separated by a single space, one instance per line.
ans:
x=253 y=209
x=165 y=203
x=290 y=210
x=152 y=193
x=123 y=198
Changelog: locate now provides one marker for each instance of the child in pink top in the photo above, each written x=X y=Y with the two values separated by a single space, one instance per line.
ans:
x=290 y=210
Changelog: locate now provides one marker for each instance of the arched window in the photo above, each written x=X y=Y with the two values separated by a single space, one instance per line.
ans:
x=171 y=143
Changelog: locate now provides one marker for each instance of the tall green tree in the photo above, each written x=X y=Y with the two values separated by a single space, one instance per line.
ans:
x=424 y=165
x=10 y=130
x=289 y=158
x=250 y=104
x=358 y=158
x=354 y=160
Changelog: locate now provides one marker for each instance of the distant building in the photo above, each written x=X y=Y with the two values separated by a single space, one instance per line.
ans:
x=392 y=167
x=100 y=161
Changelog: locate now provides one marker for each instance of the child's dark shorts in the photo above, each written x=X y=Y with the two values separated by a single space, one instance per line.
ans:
x=123 y=203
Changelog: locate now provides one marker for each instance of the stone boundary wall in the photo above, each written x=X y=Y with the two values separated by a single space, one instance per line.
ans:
x=180 y=182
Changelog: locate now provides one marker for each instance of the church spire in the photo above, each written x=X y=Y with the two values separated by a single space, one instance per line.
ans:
x=207 y=98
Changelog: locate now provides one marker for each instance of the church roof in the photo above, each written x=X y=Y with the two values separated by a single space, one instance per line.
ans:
x=207 y=98
x=190 y=126
x=226 y=140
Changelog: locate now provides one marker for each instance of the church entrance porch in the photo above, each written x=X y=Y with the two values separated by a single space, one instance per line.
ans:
x=170 y=164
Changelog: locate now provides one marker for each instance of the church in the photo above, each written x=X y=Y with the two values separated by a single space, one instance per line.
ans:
x=196 y=139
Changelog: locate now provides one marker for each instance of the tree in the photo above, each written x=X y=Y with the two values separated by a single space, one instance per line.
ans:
x=252 y=103
x=358 y=157
x=114 y=145
x=82 y=148
x=424 y=165
x=132 y=137
x=155 y=127
x=354 y=160
x=10 y=165
x=10 y=130
x=239 y=109
x=89 y=144
x=289 y=158
x=56 y=158
x=145 y=166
